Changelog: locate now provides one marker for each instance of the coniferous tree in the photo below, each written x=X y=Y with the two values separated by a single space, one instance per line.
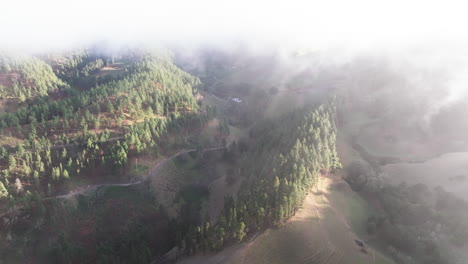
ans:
x=3 y=191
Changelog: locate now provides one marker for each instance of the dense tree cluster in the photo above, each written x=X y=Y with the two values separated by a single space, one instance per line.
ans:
x=94 y=124
x=73 y=65
x=81 y=68
x=92 y=67
x=101 y=122
x=286 y=161
x=30 y=77
x=97 y=126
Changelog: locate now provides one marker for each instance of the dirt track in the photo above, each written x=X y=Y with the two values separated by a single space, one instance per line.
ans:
x=153 y=171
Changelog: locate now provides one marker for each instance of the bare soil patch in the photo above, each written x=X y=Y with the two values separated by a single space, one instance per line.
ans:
x=7 y=79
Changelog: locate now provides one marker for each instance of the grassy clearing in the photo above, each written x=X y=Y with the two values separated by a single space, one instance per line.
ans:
x=236 y=133
x=114 y=69
x=180 y=180
x=165 y=186
x=94 y=176
x=138 y=170
x=283 y=245
x=209 y=134
x=213 y=100
x=102 y=175
x=9 y=105
x=188 y=169
x=355 y=209
x=8 y=138
x=345 y=219
x=219 y=189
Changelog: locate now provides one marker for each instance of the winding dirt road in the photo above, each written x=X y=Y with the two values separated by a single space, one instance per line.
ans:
x=153 y=171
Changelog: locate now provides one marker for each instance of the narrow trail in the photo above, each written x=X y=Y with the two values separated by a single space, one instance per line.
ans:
x=153 y=171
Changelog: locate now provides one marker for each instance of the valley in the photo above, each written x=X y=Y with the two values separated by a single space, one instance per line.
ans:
x=233 y=132
x=146 y=157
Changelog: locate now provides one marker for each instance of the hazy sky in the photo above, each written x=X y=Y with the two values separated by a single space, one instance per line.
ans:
x=35 y=24
x=431 y=35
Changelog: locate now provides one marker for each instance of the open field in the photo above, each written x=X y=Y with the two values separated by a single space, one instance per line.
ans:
x=219 y=189
x=213 y=100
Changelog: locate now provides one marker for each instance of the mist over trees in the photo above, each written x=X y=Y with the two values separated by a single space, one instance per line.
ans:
x=285 y=160
x=326 y=132
x=90 y=116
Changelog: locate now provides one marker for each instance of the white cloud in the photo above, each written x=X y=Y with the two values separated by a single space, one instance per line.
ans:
x=362 y=23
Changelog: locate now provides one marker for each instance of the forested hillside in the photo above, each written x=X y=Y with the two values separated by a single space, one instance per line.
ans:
x=68 y=117
x=101 y=124
x=24 y=78
x=93 y=114
x=282 y=161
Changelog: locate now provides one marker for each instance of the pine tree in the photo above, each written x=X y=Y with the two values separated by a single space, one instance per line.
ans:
x=65 y=174
x=11 y=162
x=3 y=191
x=3 y=152
x=276 y=183
x=240 y=231
x=36 y=176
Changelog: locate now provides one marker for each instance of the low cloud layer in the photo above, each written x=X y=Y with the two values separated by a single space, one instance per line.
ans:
x=418 y=37
x=362 y=24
